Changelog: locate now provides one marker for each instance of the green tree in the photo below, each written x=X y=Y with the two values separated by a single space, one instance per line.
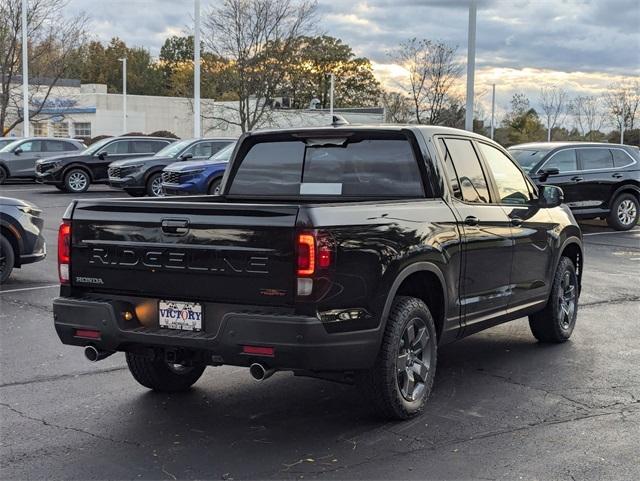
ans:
x=523 y=122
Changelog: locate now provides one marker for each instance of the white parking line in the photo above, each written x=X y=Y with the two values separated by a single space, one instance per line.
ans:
x=30 y=288
x=614 y=232
x=21 y=190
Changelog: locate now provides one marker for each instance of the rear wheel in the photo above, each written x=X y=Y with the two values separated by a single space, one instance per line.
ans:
x=624 y=212
x=401 y=380
x=7 y=258
x=214 y=187
x=159 y=375
x=3 y=175
x=556 y=321
x=76 y=181
x=154 y=185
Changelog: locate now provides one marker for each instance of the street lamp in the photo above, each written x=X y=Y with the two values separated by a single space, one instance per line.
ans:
x=25 y=72
x=471 y=66
x=197 y=131
x=124 y=94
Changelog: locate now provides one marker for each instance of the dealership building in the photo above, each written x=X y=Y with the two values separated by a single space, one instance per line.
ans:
x=73 y=109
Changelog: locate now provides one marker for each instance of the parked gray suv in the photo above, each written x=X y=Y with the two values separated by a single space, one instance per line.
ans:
x=18 y=158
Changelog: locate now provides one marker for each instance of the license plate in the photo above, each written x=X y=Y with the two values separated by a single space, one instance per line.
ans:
x=185 y=316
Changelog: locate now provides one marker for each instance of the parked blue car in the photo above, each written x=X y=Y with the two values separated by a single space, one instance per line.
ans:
x=198 y=176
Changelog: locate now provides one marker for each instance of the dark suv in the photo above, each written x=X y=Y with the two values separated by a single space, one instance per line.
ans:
x=18 y=158
x=598 y=180
x=142 y=175
x=75 y=172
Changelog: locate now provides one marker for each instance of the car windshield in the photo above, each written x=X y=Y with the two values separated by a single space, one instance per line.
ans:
x=528 y=158
x=223 y=155
x=93 y=148
x=10 y=146
x=174 y=149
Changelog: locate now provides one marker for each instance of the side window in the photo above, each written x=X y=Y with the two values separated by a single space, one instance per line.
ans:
x=218 y=146
x=512 y=187
x=55 y=146
x=141 y=147
x=595 y=159
x=31 y=146
x=157 y=145
x=469 y=174
x=564 y=161
x=115 y=148
x=201 y=149
x=620 y=158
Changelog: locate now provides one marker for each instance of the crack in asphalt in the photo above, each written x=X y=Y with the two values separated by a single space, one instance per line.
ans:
x=618 y=300
x=68 y=428
x=62 y=376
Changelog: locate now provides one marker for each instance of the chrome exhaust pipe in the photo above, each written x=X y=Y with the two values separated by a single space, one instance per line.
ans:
x=95 y=355
x=260 y=372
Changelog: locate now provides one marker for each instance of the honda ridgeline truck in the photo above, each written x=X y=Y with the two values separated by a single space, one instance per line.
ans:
x=344 y=253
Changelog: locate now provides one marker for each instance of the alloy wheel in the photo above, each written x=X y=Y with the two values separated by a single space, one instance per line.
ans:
x=414 y=359
x=77 y=181
x=156 y=187
x=567 y=299
x=626 y=212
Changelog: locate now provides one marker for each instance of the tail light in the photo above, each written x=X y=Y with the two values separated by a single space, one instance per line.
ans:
x=315 y=253
x=64 y=252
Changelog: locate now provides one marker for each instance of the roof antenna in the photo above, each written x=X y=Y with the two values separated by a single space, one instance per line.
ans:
x=338 y=120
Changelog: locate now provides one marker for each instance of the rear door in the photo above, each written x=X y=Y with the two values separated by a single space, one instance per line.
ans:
x=186 y=251
x=596 y=170
x=487 y=246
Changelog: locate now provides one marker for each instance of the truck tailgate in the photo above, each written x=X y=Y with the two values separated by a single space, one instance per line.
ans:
x=186 y=250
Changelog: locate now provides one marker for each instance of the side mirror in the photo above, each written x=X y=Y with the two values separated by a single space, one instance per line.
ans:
x=18 y=151
x=550 y=196
x=545 y=173
x=186 y=156
x=102 y=155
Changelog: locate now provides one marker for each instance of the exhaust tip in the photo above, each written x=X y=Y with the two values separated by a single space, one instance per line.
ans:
x=257 y=371
x=91 y=353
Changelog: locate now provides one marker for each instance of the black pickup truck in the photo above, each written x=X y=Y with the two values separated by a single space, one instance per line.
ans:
x=344 y=253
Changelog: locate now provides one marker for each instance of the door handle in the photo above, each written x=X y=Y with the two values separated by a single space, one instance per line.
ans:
x=616 y=176
x=471 y=220
x=516 y=222
x=577 y=179
x=175 y=226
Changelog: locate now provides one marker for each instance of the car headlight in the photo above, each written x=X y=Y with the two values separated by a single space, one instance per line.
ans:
x=192 y=173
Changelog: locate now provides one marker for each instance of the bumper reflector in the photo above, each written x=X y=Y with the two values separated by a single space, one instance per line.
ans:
x=258 y=350
x=87 y=333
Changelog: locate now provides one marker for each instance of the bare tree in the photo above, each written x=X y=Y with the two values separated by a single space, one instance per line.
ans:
x=622 y=101
x=588 y=114
x=397 y=107
x=258 y=37
x=53 y=41
x=433 y=71
x=553 y=101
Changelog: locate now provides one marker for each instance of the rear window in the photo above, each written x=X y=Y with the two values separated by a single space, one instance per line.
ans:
x=347 y=167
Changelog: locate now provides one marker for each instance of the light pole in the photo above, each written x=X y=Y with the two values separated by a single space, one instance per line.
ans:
x=622 y=127
x=197 y=131
x=331 y=87
x=493 y=108
x=25 y=72
x=124 y=94
x=471 y=65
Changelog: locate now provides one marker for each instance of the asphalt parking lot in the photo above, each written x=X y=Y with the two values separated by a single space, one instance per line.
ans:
x=503 y=407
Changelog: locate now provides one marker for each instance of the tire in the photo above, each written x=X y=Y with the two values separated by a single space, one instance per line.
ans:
x=625 y=210
x=7 y=258
x=4 y=175
x=76 y=181
x=154 y=185
x=387 y=384
x=556 y=321
x=214 y=186
x=158 y=375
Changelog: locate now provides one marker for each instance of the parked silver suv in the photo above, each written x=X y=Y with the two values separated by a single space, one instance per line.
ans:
x=18 y=158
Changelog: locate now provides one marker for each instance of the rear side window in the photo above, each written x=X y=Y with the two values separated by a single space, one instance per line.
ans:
x=596 y=159
x=469 y=175
x=141 y=147
x=55 y=146
x=620 y=158
x=349 y=167
x=157 y=145
x=564 y=161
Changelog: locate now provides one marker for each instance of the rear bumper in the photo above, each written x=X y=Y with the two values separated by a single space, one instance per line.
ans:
x=299 y=342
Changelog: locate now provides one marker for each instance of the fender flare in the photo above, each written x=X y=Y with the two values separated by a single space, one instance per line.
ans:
x=16 y=239
x=578 y=243
x=6 y=168
x=422 y=266
x=622 y=188
x=78 y=165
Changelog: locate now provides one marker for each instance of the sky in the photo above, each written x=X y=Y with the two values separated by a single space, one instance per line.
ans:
x=580 y=45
